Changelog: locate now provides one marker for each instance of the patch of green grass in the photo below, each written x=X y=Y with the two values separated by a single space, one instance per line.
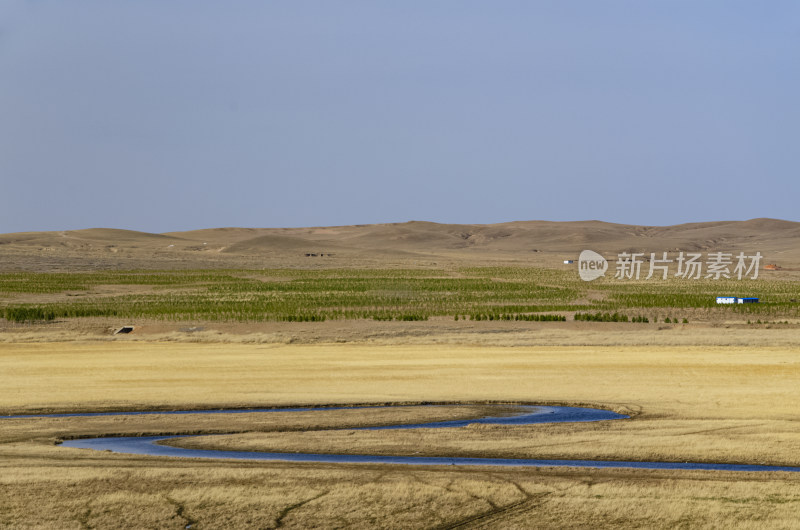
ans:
x=496 y=293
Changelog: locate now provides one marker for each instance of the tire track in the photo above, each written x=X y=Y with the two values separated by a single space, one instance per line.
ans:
x=291 y=507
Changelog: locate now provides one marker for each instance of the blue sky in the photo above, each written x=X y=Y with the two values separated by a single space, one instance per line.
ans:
x=174 y=115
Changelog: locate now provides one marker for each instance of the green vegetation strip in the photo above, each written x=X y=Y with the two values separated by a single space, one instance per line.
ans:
x=489 y=293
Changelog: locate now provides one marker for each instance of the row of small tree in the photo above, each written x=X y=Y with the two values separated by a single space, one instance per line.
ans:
x=516 y=317
x=609 y=317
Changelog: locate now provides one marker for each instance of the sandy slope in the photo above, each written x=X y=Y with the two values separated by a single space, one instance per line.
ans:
x=535 y=242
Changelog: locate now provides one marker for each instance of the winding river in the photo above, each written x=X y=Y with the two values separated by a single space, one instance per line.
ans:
x=153 y=446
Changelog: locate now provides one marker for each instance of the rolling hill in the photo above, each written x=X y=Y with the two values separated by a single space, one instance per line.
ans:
x=521 y=241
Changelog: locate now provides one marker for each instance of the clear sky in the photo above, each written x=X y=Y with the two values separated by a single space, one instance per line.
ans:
x=163 y=115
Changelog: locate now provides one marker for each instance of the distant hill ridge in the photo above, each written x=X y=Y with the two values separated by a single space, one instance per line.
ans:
x=769 y=236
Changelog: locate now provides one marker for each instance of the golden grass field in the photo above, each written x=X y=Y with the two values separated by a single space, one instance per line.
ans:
x=701 y=402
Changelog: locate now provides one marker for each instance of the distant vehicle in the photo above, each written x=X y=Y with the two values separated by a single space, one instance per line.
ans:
x=736 y=300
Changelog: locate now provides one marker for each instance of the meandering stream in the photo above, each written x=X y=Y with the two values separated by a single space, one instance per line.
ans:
x=153 y=445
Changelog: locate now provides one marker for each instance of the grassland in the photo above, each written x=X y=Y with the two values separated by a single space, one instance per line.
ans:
x=697 y=382
x=735 y=404
x=477 y=293
x=720 y=388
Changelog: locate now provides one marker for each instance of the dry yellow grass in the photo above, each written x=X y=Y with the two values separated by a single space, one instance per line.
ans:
x=715 y=441
x=690 y=403
x=112 y=491
x=682 y=382
x=50 y=430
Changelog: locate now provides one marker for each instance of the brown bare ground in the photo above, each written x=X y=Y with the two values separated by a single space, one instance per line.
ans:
x=415 y=244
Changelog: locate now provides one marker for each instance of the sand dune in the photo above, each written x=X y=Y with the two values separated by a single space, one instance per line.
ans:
x=777 y=240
